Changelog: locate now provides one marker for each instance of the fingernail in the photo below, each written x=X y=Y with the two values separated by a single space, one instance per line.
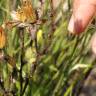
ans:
x=71 y=25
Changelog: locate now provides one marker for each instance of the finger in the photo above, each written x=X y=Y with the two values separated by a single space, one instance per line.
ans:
x=82 y=14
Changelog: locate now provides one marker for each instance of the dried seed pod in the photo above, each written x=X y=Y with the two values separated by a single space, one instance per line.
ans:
x=2 y=38
x=25 y=13
x=29 y=11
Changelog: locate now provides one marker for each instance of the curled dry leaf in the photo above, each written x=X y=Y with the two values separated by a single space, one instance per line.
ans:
x=10 y=60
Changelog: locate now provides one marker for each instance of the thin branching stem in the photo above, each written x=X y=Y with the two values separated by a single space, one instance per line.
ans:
x=52 y=16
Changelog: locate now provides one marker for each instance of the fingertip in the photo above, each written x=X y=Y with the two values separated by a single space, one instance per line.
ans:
x=81 y=18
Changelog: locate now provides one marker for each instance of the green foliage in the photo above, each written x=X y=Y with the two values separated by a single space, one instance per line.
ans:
x=60 y=63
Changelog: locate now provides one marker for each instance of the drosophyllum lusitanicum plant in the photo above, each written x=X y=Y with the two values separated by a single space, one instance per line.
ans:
x=26 y=20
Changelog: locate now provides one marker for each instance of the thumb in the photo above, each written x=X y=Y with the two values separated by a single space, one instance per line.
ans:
x=83 y=11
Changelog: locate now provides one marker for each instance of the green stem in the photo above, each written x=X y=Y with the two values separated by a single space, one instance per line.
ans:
x=22 y=54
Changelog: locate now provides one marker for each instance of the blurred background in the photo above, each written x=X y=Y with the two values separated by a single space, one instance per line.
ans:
x=55 y=63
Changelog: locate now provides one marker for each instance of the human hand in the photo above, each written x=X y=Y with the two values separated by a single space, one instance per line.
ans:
x=83 y=12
